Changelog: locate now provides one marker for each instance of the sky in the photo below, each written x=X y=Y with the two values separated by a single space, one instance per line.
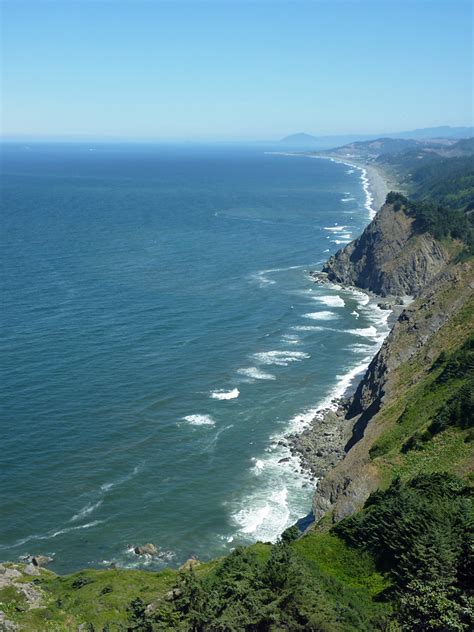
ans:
x=221 y=70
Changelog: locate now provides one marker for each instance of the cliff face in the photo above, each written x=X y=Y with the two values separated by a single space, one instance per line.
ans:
x=389 y=258
x=440 y=318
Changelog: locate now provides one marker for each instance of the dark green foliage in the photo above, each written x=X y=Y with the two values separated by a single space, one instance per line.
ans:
x=106 y=590
x=420 y=533
x=438 y=220
x=458 y=365
x=80 y=582
x=291 y=534
x=245 y=594
x=458 y=411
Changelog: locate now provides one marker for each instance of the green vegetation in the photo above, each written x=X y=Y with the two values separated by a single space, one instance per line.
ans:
x=438 y=220
x=420 y=534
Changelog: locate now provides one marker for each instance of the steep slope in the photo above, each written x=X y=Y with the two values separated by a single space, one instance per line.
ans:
x=390 y=258
x=398 y=380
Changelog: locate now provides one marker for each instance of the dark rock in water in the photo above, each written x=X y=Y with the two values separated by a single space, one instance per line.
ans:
x=146 y=549
x=284 y=460
x=41 y=560
x=384 y=305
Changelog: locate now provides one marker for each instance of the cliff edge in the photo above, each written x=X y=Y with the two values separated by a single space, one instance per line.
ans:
x=390 y=258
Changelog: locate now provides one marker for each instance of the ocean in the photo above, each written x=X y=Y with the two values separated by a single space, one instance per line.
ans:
x=161 y=335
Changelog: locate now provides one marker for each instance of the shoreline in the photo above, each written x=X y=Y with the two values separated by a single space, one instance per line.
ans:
x=320 y=445
x=375 y=181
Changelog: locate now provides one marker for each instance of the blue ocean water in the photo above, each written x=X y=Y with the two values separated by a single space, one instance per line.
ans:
x=161 y=334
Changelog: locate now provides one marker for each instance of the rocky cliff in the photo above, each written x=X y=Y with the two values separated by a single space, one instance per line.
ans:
x=389 y=258
x=441 y=317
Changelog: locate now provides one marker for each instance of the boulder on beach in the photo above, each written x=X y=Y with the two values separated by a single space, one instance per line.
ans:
x=146 y=549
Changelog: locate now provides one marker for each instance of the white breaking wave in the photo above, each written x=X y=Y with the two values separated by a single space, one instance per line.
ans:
x=330 y=301
x=336 y=229
x=258 y=467
x=85 y=511
x=291 y=339
x=324 y=315
x=221 y=394
x=348 y=199
x=280 y=358
x=256 y=374
x=200 y=420
x=368 y=332
x=268 y=518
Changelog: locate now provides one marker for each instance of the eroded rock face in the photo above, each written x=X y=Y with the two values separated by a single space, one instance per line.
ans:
x=389 y=258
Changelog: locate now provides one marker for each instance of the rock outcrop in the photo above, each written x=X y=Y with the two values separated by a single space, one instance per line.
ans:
x=146 y=549
x=389 y=258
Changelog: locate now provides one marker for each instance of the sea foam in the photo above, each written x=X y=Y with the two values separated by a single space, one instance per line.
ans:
x=255 y=374
x=221 y=394
x=330 y=301
x=280 y=358
x=324 y=315
x=200 y=420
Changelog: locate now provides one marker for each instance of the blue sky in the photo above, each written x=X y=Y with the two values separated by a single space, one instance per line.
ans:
x=233 y=70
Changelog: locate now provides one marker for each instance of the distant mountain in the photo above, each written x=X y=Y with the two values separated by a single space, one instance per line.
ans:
x=300 y=139
x=324 y=142
x=444 y=131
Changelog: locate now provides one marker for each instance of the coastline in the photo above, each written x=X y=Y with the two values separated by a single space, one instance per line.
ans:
x=321 y=443
x=375 y=180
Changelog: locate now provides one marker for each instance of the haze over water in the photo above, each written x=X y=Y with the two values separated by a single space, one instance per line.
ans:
x=160 y=336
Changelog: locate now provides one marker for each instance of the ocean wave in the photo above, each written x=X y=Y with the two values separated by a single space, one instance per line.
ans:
x=291 y=339
x=255 y=374
x=105 y=487
x=335 y=229
x=266 y=519
x=280 y=358
x=348 y=199
x=221 y=394
x=199 y=420
x=54 y=534
x=85 y=511
x=367 y=332
x=324 y=315
x=262 y=276
x=330 y=301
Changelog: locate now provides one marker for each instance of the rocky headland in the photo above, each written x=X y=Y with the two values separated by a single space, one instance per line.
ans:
x=390 y=259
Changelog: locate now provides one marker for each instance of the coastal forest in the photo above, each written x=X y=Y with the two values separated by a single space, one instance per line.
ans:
x=391 y=545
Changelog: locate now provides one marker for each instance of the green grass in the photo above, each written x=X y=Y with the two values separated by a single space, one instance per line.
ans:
x=328 y=556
